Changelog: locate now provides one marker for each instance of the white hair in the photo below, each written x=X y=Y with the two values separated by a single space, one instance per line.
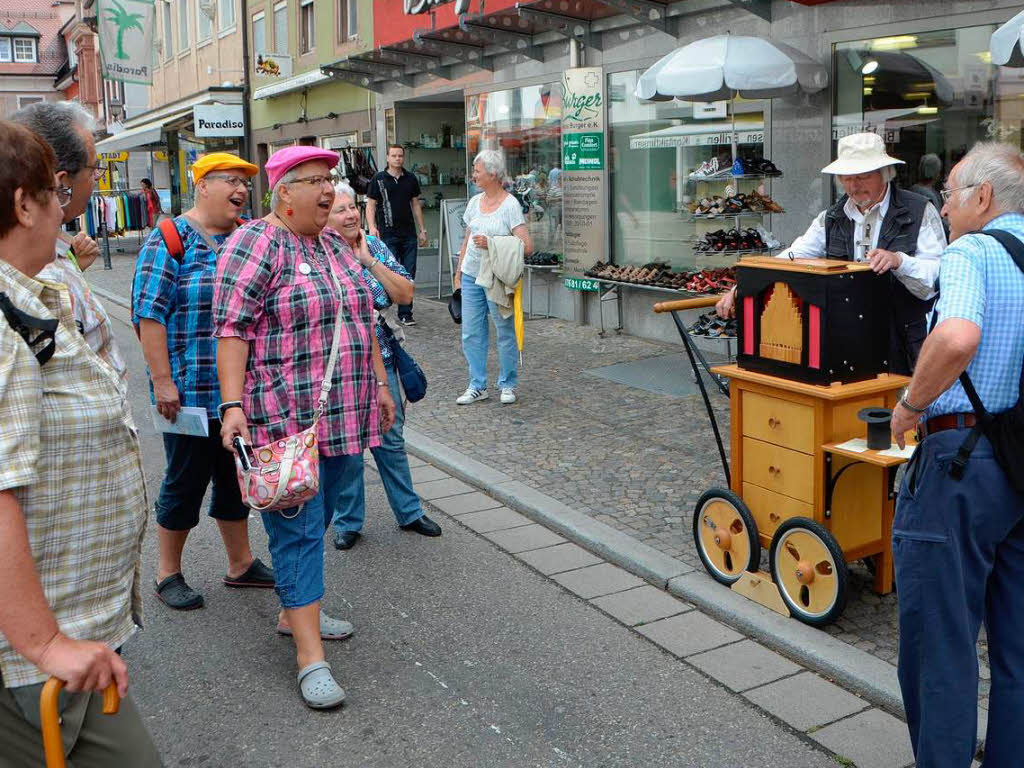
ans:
x=343 y=188
x=492 y=161
x=1002 y=166
x=275 y=198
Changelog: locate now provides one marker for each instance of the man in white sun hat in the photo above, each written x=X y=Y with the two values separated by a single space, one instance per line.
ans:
x=899 y=232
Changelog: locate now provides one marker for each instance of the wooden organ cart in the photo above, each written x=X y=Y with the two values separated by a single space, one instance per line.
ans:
x=813 y=338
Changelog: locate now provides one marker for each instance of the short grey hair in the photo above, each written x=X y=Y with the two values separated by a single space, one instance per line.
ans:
x=1002 y=166
x=58 y=123
x=275 y=198
x=929 y=167
x=492 y=161
x=343 y=188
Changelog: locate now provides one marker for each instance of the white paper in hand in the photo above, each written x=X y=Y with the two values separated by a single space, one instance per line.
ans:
x=190 y=421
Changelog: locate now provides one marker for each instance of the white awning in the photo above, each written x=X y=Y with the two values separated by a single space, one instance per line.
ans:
x=297 y=83
x=141 y=138
x=699 y=135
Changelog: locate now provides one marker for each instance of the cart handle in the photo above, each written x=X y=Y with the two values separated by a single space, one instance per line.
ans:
x=681 y=304
x=53 y=745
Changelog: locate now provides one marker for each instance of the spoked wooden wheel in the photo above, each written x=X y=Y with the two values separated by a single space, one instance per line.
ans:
x=726 y=535
x=807 y=565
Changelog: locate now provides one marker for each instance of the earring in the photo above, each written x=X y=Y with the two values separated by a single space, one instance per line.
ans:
x=289 y=212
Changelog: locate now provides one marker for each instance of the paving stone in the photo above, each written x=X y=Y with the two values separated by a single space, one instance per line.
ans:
x=416 y=461
x=597 y=580
x=439 y=489
x=426 y=473
x=563 y=557
x=872 y=739
x=522 y=539
x=494 y=520
x=806 y=701
x=641 y=605
x=689 y=633
x=742 y=666
x=466 y=503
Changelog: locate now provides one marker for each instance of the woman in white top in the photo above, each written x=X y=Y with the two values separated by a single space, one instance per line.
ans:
x=495 y=213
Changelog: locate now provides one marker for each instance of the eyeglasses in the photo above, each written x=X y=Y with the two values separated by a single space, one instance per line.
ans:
x=98 y=171
x=63 y=196
x=314 y=181
x=948 y=193
x=234 y=181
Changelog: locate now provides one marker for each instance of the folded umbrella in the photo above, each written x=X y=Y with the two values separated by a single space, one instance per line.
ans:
x=517 y=307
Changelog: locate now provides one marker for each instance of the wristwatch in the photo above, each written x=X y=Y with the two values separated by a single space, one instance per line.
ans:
x=225 y=407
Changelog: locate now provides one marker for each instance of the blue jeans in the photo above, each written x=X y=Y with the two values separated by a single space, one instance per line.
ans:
x=959 y=554
x=393 y=464
x=475 y=337
x=405 y=249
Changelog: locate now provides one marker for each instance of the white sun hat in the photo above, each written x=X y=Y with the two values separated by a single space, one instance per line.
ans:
x=860 y=153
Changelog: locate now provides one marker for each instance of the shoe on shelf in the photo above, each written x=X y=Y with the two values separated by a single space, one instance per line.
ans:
x=424 y=526
x=471 y=396
x=345 y=539
x=408 y=322
x=508 y=395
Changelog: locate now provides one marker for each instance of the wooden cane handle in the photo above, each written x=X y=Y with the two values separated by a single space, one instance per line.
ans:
x=49 y=715
x=681 y=304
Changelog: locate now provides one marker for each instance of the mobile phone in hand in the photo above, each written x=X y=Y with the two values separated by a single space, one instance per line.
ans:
x=244 y=452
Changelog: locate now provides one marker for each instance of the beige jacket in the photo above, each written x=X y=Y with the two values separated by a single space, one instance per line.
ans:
x=501 y=267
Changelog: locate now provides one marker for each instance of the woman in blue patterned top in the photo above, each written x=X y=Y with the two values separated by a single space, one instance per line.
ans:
x=390 y=284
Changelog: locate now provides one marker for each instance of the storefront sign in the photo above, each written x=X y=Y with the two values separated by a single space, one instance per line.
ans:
x=218 y=120
x=273 y=66
x=584 y=209
x=425 y=6
x=706 y=110
x=126 y=39
x=667 y=139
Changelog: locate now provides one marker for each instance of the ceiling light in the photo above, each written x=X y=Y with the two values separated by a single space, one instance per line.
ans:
x=985 y=56
x=869 y=80
x=926 y=110
x=868 y=91
x=869 y=66
x=894 y=43
x=916 y=95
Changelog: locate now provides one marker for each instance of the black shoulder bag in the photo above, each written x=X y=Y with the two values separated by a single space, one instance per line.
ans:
x=412 y=377
x=1005 y=430
x=24 y=324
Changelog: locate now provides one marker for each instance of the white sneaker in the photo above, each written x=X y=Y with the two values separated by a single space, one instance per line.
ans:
x=508 y=395
x=472 y=395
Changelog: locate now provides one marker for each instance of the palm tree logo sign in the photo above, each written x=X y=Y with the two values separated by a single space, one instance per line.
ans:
x=124 y=21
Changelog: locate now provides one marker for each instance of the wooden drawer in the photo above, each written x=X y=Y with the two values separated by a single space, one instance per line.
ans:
x=778 y=469
x=790 y=425
x=770 y=509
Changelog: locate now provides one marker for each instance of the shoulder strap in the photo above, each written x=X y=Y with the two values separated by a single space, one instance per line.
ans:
x=23 y=323
x=325 y=387
x=169 y=232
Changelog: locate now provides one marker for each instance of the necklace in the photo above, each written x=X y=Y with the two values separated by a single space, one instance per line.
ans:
x=302 y=242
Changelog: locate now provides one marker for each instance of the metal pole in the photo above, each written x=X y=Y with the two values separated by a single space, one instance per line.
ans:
x=106 y=248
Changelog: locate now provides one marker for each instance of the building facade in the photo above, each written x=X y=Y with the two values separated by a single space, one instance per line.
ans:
x=32 y=51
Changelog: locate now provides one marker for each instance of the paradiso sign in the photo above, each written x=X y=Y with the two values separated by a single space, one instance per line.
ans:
x=413 y=7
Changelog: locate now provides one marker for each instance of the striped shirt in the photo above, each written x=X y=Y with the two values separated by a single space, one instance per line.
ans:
x=981 y=283
x=273 y=290
x=179 y=296
x=381 y=299
x=70 y=454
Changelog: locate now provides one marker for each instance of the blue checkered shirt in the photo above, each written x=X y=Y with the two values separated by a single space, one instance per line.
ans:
x=180 y=297
x=980 y=282
x=381 y=300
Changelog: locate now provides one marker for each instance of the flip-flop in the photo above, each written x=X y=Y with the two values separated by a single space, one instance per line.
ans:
x=318 y=687
x=330 y=629
x=258 y=575
x=175 y=593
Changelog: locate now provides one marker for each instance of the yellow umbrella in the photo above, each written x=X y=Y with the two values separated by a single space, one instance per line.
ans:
x=517 y=308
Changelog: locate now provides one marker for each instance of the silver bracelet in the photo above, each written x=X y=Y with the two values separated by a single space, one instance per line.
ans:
x=910 y=407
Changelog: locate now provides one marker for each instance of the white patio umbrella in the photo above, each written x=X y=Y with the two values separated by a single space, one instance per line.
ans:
x=1007 y=43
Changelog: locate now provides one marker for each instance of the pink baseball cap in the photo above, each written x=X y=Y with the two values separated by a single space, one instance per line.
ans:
x=285 y=159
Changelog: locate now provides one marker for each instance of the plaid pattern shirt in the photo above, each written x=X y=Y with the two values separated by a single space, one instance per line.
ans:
x=70 y=454
x=179 y=296
x=381 y=300
x=981 y=283
x=273 y=290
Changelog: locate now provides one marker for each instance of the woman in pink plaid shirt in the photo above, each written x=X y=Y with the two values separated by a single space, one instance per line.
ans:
x=275 y=309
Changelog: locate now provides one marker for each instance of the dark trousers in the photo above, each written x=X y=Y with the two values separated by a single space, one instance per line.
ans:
x=404 y=249
x=959 y=554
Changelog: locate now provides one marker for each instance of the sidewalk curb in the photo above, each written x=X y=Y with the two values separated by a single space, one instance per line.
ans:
x=113 y=298
x=860 y=672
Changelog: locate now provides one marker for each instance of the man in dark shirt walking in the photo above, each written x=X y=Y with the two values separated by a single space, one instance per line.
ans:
x=395 y=214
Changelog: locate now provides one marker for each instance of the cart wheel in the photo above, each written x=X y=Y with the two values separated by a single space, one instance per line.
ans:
x=808 y=567
x=726 y=535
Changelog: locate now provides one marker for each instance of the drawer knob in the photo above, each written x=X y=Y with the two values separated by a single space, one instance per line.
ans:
x=773 y=422
x=773 y=470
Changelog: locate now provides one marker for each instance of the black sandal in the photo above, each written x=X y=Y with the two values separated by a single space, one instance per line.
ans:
x=175 y=593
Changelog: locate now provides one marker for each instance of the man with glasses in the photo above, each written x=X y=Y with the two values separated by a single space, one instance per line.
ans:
x=68 y=128
x=897 y=231
x=172 y=308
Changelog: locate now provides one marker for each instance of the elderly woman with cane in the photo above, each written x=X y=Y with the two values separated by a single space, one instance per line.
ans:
x=294 y=323
x=390 y=284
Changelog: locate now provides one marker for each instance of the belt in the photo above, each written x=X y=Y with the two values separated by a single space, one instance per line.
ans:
x=947 y=421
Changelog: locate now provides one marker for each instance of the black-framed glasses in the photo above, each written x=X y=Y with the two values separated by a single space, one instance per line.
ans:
x=314 y=181
x=63 y=195
x=234 y=181
x=948 y=193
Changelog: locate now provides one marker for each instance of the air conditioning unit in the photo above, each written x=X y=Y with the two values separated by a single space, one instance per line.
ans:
x=209 y=8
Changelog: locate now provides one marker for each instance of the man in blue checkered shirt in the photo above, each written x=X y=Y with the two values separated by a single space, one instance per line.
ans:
x=958 y=545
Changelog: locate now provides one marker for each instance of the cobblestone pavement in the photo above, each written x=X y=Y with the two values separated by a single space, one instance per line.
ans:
x=635 y=460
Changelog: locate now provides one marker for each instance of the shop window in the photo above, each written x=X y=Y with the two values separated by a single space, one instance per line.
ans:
x=25 y=50
x=348 y=20
x=655 y=152
x=168 y=43
x=204 y=26
x=182 y=26
x=259 y=33
x=931 y=96
x=5 y=49
x=281 y=28
x=307 y=27
x=24 y=101
x=525 y=125
x=226 y=13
